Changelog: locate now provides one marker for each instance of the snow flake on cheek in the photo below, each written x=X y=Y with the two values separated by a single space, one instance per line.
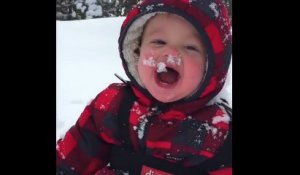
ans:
x=174 y=60
x=149 y=62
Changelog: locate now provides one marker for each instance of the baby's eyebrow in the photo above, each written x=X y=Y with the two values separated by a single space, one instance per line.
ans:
x=153 y=32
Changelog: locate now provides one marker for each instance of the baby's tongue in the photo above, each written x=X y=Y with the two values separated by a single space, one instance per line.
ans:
x=169 y=77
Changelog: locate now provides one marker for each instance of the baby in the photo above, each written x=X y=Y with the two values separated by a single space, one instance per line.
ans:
x=176 y=54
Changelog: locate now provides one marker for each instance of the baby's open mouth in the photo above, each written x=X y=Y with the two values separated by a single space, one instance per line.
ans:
x=169 y=77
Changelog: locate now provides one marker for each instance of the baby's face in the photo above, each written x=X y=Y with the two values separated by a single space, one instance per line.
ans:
x=172 y=58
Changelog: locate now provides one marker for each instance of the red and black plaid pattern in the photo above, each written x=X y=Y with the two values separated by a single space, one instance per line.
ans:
x=177 y=134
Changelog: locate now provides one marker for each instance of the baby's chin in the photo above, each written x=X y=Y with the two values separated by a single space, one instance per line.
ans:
x=166 y=97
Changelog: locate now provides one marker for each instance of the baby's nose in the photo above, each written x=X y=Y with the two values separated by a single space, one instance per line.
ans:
x=170 y=56
x=170 y=51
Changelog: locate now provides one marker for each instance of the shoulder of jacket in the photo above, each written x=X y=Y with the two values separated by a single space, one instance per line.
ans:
x=105 y=97
x=226 y=109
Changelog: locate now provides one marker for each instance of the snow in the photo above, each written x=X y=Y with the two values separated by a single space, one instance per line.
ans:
x=90 y=1
x=81 y=7
x=161 y=67
x=208 y=127
x=86 y=59
x=142 y=124
x=170 y=123
x=149 y=62
x=94 y=10
x=218 y=119
x=173 y=60
x=150 y=7
x=213 y=7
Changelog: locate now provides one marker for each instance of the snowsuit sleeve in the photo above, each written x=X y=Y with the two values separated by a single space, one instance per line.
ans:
x=86 y=146
x=223 y=171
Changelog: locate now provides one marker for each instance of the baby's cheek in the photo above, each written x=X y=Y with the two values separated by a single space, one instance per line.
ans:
x=148 y=52
x=194 y=69
x=144 y=70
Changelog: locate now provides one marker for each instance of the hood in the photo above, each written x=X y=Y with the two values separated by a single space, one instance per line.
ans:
x=210 y=19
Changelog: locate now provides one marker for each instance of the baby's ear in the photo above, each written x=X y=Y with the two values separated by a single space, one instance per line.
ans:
x=137 y=51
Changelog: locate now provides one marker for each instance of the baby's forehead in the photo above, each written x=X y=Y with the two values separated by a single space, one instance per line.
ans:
x=164 y=17
x=162 y=23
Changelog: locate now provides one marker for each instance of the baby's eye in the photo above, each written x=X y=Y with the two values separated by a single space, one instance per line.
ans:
x=192 y=48
x=159 y=42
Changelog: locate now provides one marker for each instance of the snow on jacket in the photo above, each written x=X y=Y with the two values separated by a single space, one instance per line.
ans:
x=188 y=131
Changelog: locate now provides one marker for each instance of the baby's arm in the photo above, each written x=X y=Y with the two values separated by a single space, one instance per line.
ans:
x=85 y=147
x=223 y=171
x=82 y=150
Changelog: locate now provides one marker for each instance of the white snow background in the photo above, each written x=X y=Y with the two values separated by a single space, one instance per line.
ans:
x=86 y=59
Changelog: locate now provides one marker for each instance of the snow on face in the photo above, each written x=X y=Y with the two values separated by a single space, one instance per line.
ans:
x=174 y=60
x=161 y=66
x=149 y=62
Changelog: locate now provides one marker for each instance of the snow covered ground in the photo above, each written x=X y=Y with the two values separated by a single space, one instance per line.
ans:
x=86 y=59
